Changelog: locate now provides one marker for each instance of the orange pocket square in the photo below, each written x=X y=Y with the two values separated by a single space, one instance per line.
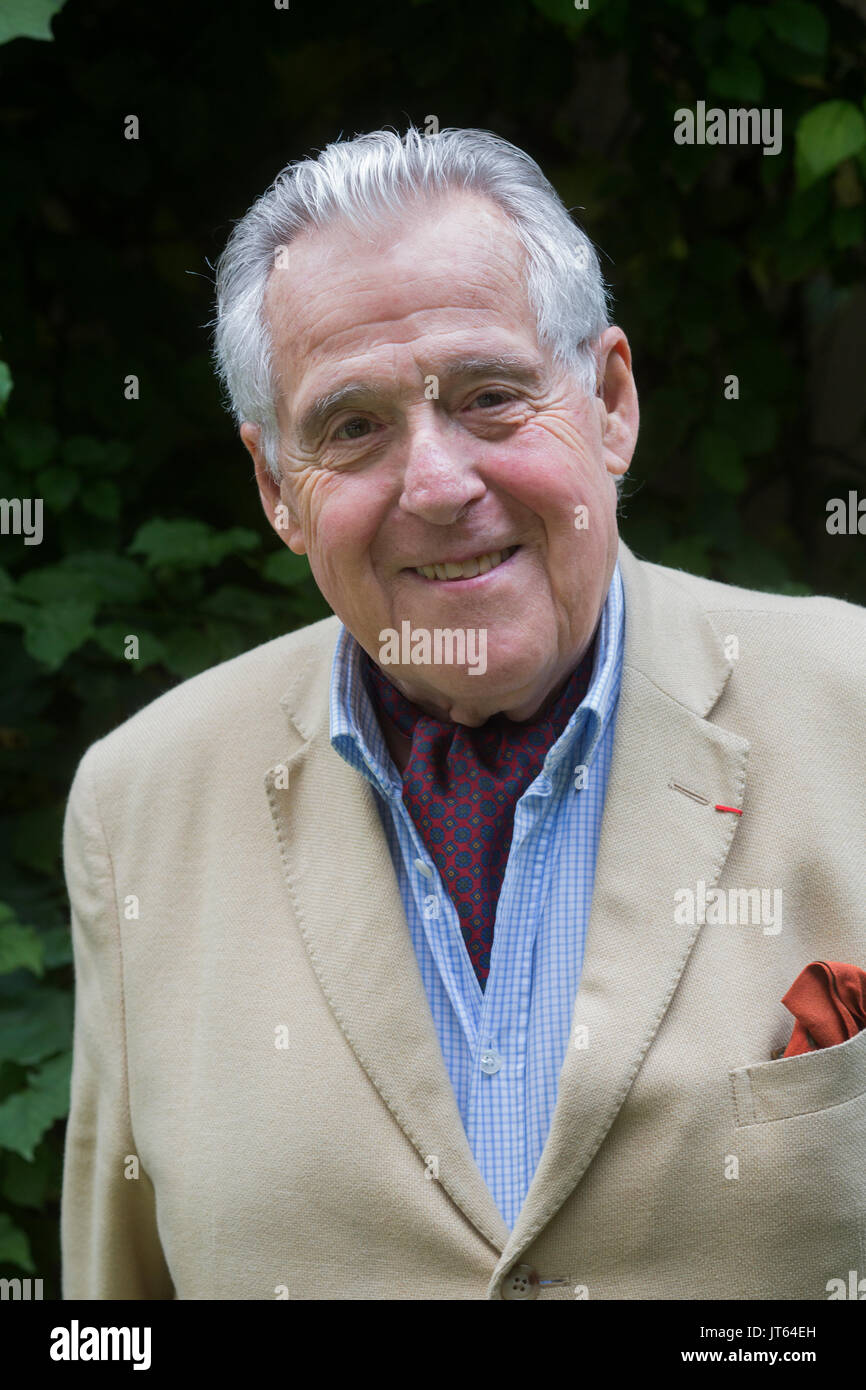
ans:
x=828 y=1001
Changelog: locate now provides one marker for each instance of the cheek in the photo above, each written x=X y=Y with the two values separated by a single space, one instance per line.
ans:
x=550 y=468
x=322 y=505
x=340 y=524
x=558 y=474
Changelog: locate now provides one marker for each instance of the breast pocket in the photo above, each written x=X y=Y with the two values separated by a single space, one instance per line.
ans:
x=798 y=1211
x=801 y=1085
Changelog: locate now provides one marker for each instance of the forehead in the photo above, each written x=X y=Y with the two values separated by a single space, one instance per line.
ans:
x=439 y=276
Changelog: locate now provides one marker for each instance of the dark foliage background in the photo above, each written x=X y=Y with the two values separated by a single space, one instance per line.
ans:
x=722 y=260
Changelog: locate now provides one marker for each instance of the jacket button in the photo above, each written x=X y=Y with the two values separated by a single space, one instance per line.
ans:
x=521 y=1281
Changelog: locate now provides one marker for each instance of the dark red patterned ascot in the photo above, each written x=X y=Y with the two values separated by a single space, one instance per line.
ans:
x=461 y=787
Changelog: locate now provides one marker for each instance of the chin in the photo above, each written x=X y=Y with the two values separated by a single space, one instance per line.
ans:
x=494 y=689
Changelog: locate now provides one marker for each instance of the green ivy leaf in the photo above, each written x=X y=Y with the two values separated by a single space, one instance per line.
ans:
x=36 y=839
x=103 y=576
x=20 y=947
x=83 y=454
x=102 y=499
x=52 y=632
x=111 y=637
x=825 y=136
x=57 y=947
x=190 y=650
x=26 y=1115
x=29 y=1184
x=39 y=1025
x=28 y=19
x=13 y=611
x=189 y=544
x=14 y=1245
x=57 y=487
x=738 y=78
x=848 y=227
x=800 y=25
x=49 y=584
x=5 y=386
x=32 y=444
x=744 y=25
x=805 y=210
x=234 y=604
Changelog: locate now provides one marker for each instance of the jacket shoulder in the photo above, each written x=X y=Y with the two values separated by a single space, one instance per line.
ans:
x=815 y=612
x=799 y=657
x=221 y=707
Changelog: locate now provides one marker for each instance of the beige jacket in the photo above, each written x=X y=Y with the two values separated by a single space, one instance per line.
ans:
x=257 y=1082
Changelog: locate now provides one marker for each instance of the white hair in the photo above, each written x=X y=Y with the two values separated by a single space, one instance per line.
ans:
x=362 y=182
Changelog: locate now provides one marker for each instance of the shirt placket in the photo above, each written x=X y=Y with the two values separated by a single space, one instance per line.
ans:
x=497 y=1118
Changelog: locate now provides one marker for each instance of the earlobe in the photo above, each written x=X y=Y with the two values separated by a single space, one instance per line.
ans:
x=269 y=488
x=620 y=438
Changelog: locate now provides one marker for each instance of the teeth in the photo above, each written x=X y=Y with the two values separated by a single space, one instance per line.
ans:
x=479 y=565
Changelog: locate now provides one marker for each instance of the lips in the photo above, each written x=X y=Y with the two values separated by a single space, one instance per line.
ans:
x=468 y=569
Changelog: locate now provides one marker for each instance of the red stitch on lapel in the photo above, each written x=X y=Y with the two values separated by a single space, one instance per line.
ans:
x=729 y=808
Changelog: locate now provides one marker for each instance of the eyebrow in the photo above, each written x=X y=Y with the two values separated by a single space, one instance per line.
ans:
x=359 y=392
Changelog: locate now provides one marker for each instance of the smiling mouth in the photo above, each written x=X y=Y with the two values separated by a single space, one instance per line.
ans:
x=479 y=564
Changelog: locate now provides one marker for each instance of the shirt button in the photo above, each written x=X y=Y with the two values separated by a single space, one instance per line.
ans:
x=490 y=1061
x=521 y=1282
x=423 y=868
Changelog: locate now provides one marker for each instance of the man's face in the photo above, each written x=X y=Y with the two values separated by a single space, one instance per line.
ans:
x=460 y=439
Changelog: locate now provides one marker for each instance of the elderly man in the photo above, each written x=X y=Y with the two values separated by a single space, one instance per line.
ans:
x=462 y=919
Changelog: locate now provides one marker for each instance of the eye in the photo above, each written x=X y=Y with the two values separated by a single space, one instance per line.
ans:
x=489 y=399
x=352 y=427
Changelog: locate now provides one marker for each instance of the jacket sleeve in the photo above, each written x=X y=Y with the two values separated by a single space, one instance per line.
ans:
x=109 y=1239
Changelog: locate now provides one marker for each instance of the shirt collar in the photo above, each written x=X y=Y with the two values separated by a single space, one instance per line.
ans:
x=357 y=737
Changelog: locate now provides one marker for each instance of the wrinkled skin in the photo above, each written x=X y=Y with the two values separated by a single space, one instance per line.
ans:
x=392 y=480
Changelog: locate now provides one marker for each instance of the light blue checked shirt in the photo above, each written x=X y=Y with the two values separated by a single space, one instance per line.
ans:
x=504 y=1046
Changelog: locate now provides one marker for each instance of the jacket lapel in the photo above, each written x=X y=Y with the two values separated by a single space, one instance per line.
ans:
x=654 y=840
x=347 y=904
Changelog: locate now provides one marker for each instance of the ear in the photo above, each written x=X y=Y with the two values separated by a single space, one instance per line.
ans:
x=620 y=415
x=275 y=496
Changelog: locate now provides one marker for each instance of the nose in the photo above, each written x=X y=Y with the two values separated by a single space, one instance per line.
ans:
x=440 y=477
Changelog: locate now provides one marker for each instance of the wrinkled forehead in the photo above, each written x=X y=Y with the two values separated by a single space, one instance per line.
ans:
x=442 y=266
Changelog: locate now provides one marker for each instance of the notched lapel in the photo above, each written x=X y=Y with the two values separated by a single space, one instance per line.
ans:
x=654 y=841
x=347 y=906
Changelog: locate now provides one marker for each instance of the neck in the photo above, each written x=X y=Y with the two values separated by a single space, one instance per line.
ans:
x=399 y=746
